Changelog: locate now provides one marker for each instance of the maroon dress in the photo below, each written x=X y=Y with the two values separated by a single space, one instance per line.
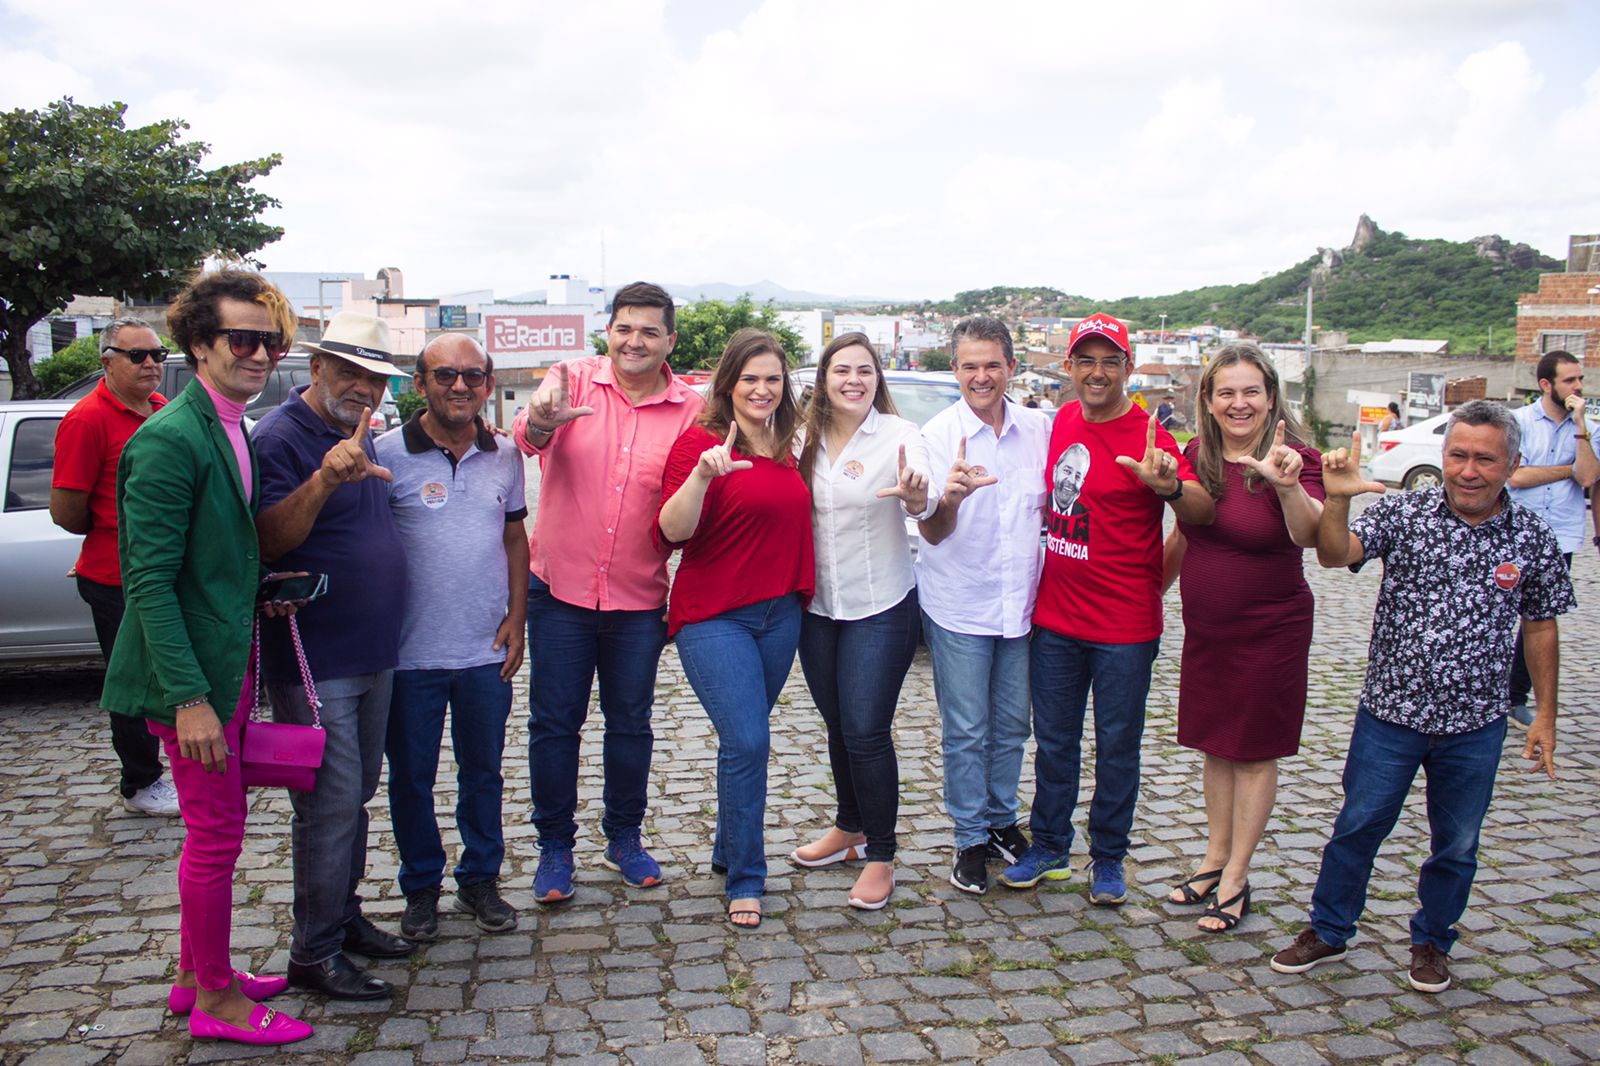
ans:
x=1247 y=623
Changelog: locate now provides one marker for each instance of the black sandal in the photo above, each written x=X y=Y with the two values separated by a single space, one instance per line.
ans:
x=1220 y=912
x=745 y=926
x=1190 y=896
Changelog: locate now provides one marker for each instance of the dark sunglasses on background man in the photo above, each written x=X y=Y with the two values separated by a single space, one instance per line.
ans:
x=139 y=355
x=244 y=343
x=446 y=376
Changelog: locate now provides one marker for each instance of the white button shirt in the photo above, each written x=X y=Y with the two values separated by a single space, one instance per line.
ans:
x=982 y=579
x=863 y=557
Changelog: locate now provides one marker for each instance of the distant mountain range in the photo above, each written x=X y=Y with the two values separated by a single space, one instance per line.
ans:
x=1382 y=285
x=759 y=291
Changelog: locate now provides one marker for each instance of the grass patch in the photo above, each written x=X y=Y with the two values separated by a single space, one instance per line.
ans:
x=1476 y=984
x=1194 y=952
x=363 y=1039
x=735 y=989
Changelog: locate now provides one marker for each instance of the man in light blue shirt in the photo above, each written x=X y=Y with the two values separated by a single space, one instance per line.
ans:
x=1558 y=464
x=458 y=502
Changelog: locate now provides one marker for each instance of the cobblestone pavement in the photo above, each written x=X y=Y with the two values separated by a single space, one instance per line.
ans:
x=88 y=926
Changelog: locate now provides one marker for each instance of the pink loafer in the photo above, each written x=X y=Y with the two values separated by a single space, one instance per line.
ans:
x=267 y=1027
x=181 y=1000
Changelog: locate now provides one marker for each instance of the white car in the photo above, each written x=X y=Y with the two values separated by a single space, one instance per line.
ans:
x=1411 y=458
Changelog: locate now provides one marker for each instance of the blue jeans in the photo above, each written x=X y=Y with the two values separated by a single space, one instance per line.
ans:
x=567 y=645
x=328 y=834
x=1064 y=670
x=479 y=705
x=981 y=684
x=737 y=663
x=854 y=670
x=1378 y=772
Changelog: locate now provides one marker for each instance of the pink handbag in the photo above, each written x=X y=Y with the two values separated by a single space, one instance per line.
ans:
x=278 y=754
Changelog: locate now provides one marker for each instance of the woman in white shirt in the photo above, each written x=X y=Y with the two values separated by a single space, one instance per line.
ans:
x=868 y=471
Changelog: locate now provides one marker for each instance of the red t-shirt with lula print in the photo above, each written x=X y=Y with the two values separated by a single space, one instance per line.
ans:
x=1102 y=551
x=753 y=542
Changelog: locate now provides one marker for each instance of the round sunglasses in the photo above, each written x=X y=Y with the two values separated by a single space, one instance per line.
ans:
x=244 y=343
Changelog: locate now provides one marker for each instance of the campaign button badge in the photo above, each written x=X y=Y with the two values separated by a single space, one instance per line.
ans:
x=1506 y=575
x=434 y=495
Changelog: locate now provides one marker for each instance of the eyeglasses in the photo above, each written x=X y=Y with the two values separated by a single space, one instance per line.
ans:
x=137 y=356
x=1110 y=366
x=446 y=376
x=244 y=343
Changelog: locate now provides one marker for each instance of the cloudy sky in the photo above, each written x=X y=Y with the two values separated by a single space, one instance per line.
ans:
x=907 y=148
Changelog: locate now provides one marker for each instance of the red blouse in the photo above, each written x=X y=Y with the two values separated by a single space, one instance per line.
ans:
x=753 y=542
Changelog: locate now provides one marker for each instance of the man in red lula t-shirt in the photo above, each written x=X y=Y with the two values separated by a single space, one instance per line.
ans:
x=1111 y=471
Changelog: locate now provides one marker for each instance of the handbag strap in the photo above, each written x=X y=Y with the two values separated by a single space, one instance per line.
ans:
x=305 y=672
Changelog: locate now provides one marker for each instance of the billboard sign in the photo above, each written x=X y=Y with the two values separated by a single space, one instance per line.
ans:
x=452 y=316
x=516 y=334
x=1425 y=392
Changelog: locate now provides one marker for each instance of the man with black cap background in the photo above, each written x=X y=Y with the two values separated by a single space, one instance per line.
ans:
x=1112 y=470
x=325 y=510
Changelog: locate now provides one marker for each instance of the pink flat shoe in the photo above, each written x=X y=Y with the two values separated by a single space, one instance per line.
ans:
x=181 y=1000
x=267 y=1027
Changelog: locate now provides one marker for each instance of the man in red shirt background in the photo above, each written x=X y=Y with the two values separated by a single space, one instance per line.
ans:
x=83 y=499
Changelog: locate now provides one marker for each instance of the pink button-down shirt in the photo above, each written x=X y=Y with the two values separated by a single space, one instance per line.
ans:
x=600 y=489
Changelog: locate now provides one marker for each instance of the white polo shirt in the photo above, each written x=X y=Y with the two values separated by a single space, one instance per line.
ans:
x=863 y=558
x=982 y=579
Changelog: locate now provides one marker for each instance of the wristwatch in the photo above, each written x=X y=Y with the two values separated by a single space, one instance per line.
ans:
x=1177 y=493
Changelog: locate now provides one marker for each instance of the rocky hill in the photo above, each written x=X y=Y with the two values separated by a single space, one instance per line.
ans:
x=1383 y=285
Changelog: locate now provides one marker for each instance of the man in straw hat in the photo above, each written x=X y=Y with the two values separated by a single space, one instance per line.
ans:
x=325 y=510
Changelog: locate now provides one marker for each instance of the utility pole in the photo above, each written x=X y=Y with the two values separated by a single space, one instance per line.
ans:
x=1308 y=323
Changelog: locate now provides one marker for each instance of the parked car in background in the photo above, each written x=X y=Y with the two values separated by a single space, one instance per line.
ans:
x=1411 y=458
x=41 y=616
x=292 y=370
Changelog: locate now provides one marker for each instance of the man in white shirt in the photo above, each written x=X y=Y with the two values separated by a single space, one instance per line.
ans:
x=976 y=580
x=1558 y=464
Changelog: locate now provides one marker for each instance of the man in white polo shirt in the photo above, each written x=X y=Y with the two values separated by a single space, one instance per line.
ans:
x=977 y=576
x=458 y=500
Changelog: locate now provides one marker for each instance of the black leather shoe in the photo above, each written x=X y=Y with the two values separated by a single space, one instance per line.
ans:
x=338 y=978
x=364 y=938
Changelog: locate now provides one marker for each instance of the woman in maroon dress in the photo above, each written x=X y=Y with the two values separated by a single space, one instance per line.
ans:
x=1246 y=614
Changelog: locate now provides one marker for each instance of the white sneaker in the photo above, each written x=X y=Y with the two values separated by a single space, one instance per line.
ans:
x=157 y=799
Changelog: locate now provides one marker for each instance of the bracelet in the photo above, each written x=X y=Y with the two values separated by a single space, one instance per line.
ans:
x=186 y=704
x=1581 y=436
x=1176 y=495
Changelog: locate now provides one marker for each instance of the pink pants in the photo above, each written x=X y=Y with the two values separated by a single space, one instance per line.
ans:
x=214 y=809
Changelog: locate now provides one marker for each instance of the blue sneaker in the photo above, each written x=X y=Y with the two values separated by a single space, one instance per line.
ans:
x=552 y=881
x=1033 y=866
x=1107 y=888
x=627 y=856
x=1521 y=715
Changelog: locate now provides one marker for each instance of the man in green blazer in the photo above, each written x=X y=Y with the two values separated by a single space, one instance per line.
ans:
x=190 y=569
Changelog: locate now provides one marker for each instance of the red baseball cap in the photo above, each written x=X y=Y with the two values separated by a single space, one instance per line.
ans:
x=1101 y=325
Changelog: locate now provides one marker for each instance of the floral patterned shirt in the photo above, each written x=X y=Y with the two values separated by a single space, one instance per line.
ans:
x=1446 y=623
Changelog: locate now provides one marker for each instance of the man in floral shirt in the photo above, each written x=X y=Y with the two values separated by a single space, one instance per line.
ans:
x=1462 y=566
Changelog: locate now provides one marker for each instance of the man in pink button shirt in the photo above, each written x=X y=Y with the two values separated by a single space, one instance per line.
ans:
x=601 y=428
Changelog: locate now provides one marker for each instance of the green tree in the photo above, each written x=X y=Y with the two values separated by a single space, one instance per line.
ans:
x=77 y=360
x=89 y=206
x=934 y=360
x=409 y=403
x=704 y=329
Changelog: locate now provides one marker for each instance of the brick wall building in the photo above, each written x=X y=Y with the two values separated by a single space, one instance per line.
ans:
x=1563 y=314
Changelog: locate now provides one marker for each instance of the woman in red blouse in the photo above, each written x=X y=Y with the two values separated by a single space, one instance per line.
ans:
x=734 y=502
